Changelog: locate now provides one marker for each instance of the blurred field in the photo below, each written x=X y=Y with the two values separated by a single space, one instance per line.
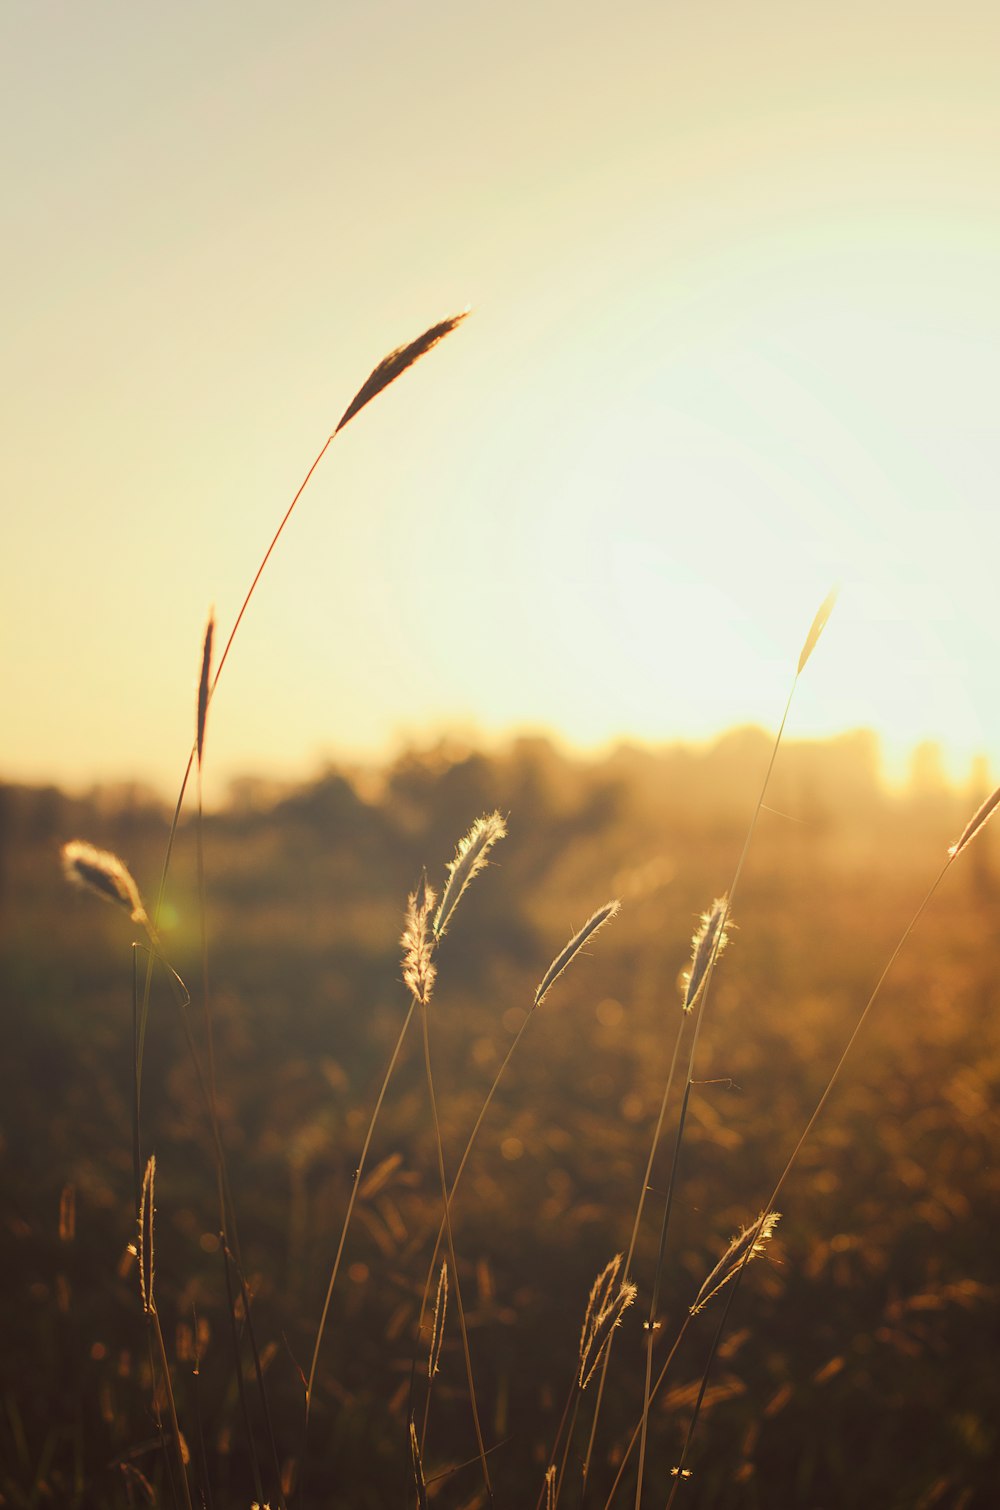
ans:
x=861 y=1365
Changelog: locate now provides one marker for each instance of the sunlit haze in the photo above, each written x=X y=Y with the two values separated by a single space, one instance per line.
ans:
x=735 y=338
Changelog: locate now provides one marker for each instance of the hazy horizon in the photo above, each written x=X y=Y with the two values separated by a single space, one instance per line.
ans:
x=735 y=337
x=921 y=767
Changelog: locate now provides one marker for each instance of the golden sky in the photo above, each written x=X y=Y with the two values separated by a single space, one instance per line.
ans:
x=736 y=336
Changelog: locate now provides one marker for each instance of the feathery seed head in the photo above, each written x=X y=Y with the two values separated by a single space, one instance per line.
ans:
x=470 y=859
x=437 y=1327
x=708 y=943
x=100 y=871
x=604 y=1312
x=145 y=1244
x=396 y=363
x=748 y=1243
x=203 y=684
x=595 y=922
x=419 y=970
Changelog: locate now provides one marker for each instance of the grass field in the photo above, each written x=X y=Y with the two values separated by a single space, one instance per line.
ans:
x=859 y=1364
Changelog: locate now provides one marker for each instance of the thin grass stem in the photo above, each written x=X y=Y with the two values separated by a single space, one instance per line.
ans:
x=451 y=1255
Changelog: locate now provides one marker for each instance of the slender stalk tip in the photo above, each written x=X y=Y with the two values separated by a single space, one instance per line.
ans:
x=817 y=627
x=975 y=823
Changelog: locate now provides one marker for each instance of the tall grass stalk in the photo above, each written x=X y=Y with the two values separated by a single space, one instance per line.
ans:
x=809 y=645
x=228 y=1225
x=146 y=1251
x=386 y=372
x=420 y=943
x=463 y=1329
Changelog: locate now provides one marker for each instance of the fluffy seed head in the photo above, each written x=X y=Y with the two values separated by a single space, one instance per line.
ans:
x=708 y=943
x=604 y=1312
x=596 y=921
x=748 y=1243
x=470 y=859
x=100 y=871
x=419 y=970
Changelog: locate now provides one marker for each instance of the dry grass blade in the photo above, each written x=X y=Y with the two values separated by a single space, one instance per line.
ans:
x=437 y=1329
x=748 y=1243
x=418 y=1468
x=596 y=921
x=975 y=823
x=396 y=363
x=470 y=859
x=708 y=943
x=818 y=625
x=100 y=871
x=419 y=970
x=203 y=684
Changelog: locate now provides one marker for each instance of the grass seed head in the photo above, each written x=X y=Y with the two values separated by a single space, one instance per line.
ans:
x=100 y=871
x=975 y=823
x=816 y=628
x=604 y=1312
x=396 y=363
x=595 y=922
x=203 y=684
x=708 y=943
x=437 y=1328
x=748 y=1243
x=419 y=970
x=145 y=1244
x=470 y=858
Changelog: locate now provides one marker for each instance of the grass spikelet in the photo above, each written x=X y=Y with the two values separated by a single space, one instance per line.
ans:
x=816 y=628
x=203 y=684
x=748 y=1243
x=975 y=823
x=595 y=922
x=100 y=871
x=145 y=1244
x=550 y=1487
x=602 y=1321
x=437 y=1328
x=418 y=1468
x=708 y=943
x=392 y=366
x=597 y=1301
x=419 y=970
x=470 y=859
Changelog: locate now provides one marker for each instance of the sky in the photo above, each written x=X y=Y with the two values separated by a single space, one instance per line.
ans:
x=735 y=337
